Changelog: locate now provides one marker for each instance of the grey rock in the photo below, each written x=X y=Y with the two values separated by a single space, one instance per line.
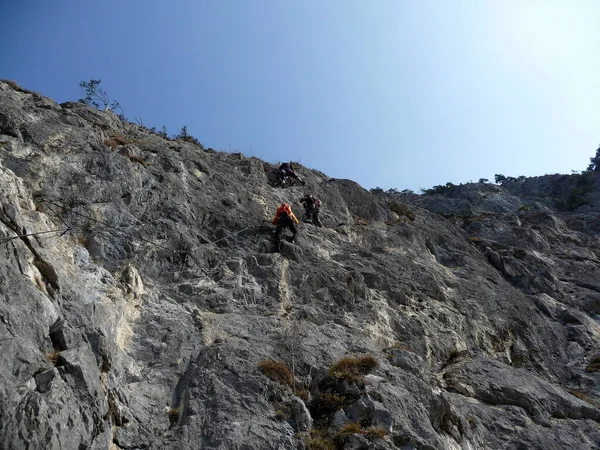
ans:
x=164 y=297
x=62 y=336
x=357 y=442
x=381 y=417
x=360 y=409
x=339 y=419
x=44 y=379
x=301 y=415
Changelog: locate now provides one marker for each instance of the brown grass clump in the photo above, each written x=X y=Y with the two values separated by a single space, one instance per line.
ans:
x=137 y=159
x=53 y=355
x=122 y=140
x=325 y=404
x=322 y=439
x=15 y=86
x=302 y=394
x=348 y=429
x=358 y=220
x=397 y=345
x=283 y=411
x=277 y=371
x=353 y=368
x=118 y=139
x=375 y=433
x=371 y=433
x=594 y=364
x=83 y=240
x=319 y=440
x=173 y=415
x=111 y=143
x=580 y=395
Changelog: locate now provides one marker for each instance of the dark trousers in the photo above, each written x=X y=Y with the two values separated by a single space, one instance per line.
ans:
x=312 y=213
x=284 y=222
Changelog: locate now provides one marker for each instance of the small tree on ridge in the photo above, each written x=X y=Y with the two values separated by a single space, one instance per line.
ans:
x=94 y=94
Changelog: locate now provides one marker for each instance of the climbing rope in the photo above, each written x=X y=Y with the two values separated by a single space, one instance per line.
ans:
x=184 y=253
x=61 y=231
x=107 y=225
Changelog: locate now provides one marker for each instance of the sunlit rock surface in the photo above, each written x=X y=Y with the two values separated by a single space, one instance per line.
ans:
x=149 y=316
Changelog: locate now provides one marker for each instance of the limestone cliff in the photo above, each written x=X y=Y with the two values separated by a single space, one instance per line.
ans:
x=141 y=305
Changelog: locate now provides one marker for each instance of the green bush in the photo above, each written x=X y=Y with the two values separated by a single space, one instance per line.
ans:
x=584 y=184
x=440 y=189
x=184 y=136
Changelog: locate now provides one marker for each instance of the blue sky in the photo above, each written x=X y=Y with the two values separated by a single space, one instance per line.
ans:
x=389 y=93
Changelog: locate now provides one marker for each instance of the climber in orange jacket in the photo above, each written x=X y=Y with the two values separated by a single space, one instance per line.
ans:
x=284 y=218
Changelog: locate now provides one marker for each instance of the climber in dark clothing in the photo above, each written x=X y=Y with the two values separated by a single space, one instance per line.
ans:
x=286 y=170
x=284 y=218
x=312 y=206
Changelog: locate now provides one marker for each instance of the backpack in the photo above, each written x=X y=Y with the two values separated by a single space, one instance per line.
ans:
x=284 y=209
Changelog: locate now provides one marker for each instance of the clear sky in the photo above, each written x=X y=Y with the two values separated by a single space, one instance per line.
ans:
x=389 y=93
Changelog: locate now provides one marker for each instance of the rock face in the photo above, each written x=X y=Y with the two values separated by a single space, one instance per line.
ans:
x=141 y=305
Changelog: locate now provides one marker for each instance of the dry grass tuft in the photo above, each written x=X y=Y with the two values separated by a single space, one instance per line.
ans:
x=351 y=428
x=52 y=356
x=15 y=86
x=118 y=139
x=594 y=364
x=283 y=411
x=375 y=433
x=580 y=395
x=277 y=371
x=83 y=240
x=358 y=220
x=319 y=440
x=353 y=368
x=348 y=429
x=302 y=394
x=323 y=439
x=173 y=415
x=137 y=159
x=111 y=143
x=583 y=396
x=325 y=404
x=397 y=345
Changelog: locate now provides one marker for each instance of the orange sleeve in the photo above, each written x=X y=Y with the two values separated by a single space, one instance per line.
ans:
x=274 y=221
x=294 y=218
